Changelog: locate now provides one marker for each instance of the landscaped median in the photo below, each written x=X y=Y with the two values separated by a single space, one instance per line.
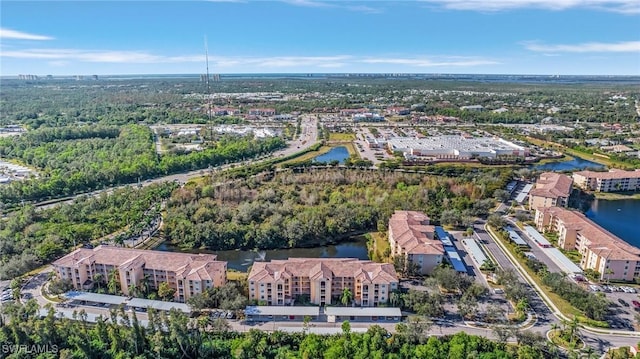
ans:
x=561 y=308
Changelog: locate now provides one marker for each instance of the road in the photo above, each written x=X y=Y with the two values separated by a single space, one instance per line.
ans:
x=547 y=316
x=307 y=138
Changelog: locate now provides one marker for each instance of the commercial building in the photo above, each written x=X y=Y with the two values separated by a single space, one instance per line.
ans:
x=188 y=274
x=322 y=281
x=411 y=236
x=551 y=189
x=613 y=181
x=601 y=250
x=456 y=147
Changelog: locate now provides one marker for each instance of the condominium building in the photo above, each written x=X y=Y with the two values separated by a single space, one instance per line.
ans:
x=601 y=250
x=323 y=280
x=410 y=235
x=551 y=189
x=188 y=274
x=613 y=181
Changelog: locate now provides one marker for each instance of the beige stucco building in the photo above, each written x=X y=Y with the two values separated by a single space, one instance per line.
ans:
x=280 y=282
x=188 y=274
x=551 y=189
x=601 y=250
x=613 y=181
x=410 y=235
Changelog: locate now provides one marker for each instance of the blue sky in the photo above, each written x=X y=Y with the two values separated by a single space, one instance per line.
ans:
x=556 y=37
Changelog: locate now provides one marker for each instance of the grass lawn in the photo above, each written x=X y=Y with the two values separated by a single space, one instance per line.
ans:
x=235 y=275
x=381 y=244
x=617 y=195
x=559 y=341
x=309 y=155
x=352 y=149
x=334 y=136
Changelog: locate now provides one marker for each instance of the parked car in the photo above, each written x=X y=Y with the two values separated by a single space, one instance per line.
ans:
x=229 y=315
x=623 y=302
x=635 y=303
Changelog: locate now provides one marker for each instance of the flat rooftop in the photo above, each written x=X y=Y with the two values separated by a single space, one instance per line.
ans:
x=461 y=143
x=157 y=304
x=95 y=298
x=363 y=311
x=282 y=310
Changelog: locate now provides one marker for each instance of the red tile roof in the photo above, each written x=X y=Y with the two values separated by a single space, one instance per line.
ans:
x=411 y=231
x=552 y=185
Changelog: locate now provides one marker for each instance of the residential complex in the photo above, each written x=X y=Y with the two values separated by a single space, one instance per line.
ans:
x=612 y=181
x=410 y=235
x=323 y=280
x=456 y=147
x=601 y=251
x=188 y=274
x=551 y=189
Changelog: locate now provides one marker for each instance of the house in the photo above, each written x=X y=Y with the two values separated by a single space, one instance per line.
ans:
x=613 y=181
x=262 y=112
x=602 y=251
x=188 y=274
x=322 y=281
x=411 y=236
x=551 y=189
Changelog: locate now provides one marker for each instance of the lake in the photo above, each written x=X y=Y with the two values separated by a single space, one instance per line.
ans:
x=336 y=154
x=619 y=217
x=575 y=164
x=241 y=260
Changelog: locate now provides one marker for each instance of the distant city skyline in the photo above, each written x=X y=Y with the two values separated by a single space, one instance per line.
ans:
x=541 y=37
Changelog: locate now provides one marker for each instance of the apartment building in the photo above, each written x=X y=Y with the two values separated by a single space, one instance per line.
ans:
x=280 y=282
x=410 y=235
x=601 y=250
x=188 y=274
x=615 y=180
x=551 y=189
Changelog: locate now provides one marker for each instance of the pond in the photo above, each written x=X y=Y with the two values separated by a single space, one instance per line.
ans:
x=339 y=154
x=241 y=260
x=575 y=164
x=619 y=217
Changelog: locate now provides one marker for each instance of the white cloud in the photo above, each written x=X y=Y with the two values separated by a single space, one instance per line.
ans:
x=308 y=3
x=19 y=35
x=98 y=56
x=334 y=4
x=62 y=57
x=620 y=6
x=624 y=46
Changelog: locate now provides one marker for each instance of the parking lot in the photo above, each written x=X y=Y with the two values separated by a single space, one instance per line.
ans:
x=625 y=304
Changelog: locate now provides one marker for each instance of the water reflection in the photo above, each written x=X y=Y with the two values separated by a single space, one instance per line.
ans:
x=241 y=260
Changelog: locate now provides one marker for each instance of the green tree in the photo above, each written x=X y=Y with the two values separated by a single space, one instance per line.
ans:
x=346 y=297
x=165 y=292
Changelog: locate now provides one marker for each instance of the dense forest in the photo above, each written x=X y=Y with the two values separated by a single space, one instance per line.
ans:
x=174 y=335
x=319 y=206
x=56 y=103
x=31 y=237
x=75 y=159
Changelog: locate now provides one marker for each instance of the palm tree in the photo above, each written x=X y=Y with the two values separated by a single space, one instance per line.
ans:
x=97 y=279
x=144 y=285
x=113 y=286
x=572 y=328
x=395 y=299
x=346 y=297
